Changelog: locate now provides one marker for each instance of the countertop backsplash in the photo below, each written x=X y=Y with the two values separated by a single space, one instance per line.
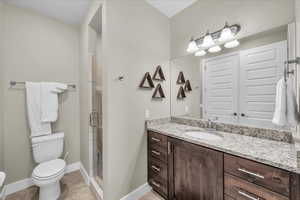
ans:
x=276 y=135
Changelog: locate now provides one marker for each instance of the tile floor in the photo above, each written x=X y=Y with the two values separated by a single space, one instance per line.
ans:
x=151 y=196
x=73 y=188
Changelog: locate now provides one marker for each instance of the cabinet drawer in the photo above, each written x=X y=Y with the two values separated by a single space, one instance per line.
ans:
x=158 y=185
x=158 y=153
x=158 y=168
x=240 y=189
x=156 y=139
x=269 y=177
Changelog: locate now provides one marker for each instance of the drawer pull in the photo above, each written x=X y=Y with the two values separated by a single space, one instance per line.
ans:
x=156 y=152
x=244 y=194
x=155 y=168
x=277 y=179
x=251 y=173
x=169 y=147
x=156 y=184
x=155 y=139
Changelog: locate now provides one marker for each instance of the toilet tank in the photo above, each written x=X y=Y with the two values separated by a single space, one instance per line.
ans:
x=46 y=148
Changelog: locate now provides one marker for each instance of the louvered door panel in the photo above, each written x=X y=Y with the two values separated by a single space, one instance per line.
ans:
x=220 y=88
x=260 y=70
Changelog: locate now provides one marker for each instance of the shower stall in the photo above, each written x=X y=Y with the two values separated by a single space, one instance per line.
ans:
x=96 y=131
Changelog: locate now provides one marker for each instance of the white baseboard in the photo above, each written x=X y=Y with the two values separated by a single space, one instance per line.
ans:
x=92 y=182
x=73 y=167
x=84 y=174
x=137 y=193
x=18 y=186
x=97 y=189
x=26 y=183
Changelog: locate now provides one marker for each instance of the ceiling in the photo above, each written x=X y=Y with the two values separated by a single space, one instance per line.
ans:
x=68 y=11
x=74 y=11
x=170 y=7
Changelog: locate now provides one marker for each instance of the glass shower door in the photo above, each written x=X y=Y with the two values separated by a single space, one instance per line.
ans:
x=96 y=123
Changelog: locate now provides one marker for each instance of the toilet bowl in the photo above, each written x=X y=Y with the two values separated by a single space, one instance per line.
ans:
x=50 y=170
x=47 y=176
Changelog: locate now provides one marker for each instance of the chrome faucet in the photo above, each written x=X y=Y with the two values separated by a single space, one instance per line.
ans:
x=210 y=125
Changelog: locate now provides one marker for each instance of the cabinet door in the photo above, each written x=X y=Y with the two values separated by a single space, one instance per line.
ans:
x=221 y=88
x=260 y=70
x=195 y=173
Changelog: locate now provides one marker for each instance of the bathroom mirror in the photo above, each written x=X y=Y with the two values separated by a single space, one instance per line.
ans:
x=235 y=84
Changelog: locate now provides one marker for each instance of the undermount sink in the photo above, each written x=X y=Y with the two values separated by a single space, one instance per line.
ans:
x=203 y=135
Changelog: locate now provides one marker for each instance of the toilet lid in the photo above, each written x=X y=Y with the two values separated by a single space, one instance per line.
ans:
x=49 y=168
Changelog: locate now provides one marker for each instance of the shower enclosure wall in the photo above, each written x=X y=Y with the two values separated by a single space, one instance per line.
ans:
x=96 y=142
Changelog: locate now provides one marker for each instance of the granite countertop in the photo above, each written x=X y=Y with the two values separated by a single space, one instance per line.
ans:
x=278 y=154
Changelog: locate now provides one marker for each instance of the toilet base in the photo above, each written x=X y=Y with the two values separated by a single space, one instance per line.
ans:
x=50 y=192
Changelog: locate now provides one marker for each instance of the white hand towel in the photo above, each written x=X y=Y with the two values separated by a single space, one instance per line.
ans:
x=49 y=98
x=280 y=117
x=292 y=110
x=33 y=101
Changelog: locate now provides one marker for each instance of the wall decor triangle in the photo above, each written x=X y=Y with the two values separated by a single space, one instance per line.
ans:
x=187 y=86
x=158 y=74
x=147 y=81
x=180 y=79
x=158 y=93
x=181 y=93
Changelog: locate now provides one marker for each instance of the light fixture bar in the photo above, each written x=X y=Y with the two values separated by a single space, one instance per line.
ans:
x=235 y=29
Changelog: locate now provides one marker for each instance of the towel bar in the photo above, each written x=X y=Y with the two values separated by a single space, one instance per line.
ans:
x=14 y=83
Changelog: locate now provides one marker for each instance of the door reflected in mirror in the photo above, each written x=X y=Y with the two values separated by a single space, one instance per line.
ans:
x=235 y=85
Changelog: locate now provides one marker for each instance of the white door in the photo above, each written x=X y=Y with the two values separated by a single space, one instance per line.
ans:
x=260 y=69
x=220 y=88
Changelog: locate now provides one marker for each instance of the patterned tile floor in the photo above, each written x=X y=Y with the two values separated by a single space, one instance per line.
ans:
x=73 y=188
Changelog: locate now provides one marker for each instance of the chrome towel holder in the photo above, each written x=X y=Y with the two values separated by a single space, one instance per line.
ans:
x=287 y=72
x=15 y=83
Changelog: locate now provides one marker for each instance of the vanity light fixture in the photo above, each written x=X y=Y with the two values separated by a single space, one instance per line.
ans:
x=214 y=49
x=226 y=34
x=212 y=42
x=200 y=53
x=232 y=44
x=208 y=41
x=193 y=47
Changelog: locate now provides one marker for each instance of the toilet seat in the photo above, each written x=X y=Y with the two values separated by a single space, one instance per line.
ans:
x=49 y=169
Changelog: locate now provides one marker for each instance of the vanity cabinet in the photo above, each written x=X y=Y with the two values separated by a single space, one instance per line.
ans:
x=194 y=172
x=158 y=163
x=179 y=170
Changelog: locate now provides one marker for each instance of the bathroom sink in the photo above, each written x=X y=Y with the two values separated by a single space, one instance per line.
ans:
x=203 y=135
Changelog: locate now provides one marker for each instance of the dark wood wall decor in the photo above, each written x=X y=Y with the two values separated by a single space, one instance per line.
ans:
x=187 y=86
x=181 y=93
x=158 y=93
x=147 y=81
x=180 y=79
x=158 y=74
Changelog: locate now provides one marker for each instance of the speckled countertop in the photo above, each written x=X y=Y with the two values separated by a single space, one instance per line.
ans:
x=278 y=154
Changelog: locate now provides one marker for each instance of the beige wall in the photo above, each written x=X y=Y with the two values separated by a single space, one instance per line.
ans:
x=254 y=16
x=135 y=40
x=1 y=91
x=190 y=66
x=37 y=48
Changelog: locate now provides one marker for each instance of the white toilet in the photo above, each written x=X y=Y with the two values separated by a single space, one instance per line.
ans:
x=46 y=152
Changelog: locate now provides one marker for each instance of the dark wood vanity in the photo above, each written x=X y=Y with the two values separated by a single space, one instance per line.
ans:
x=184 y=171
